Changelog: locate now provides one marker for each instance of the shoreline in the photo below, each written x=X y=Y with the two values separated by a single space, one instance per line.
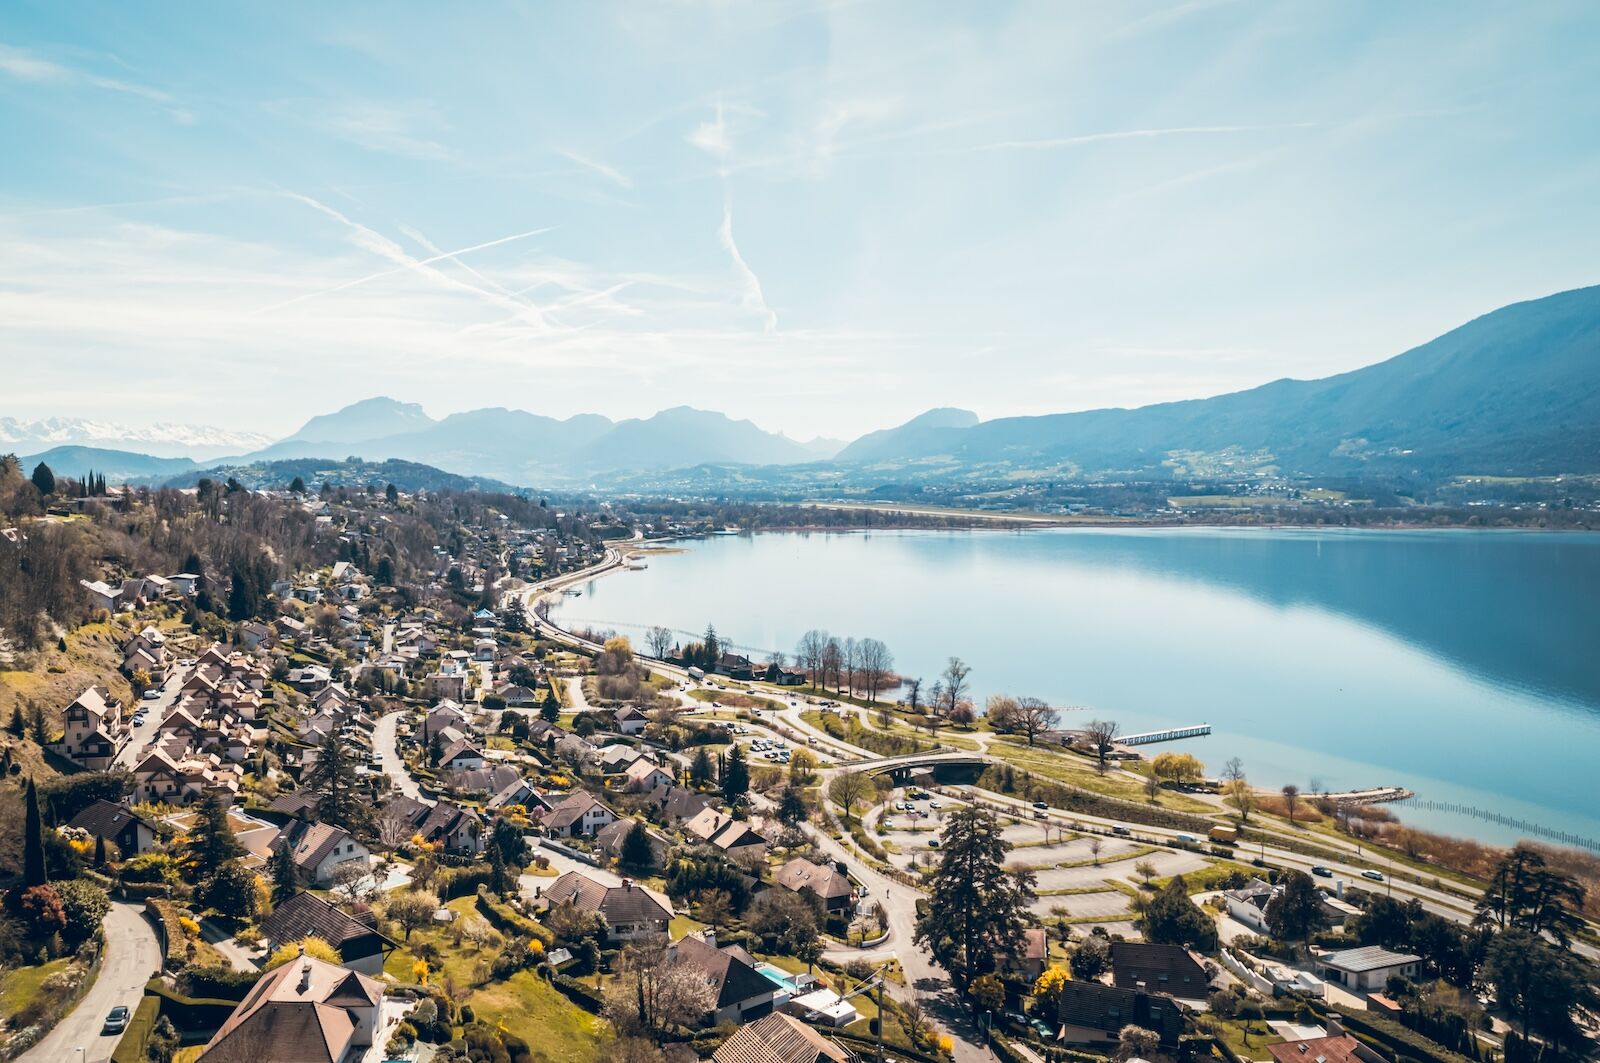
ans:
x=1429 y=813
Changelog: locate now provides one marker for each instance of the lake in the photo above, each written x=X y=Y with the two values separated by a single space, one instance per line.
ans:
x=1464 y=665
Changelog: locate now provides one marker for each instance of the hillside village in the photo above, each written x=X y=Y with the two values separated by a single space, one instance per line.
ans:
x=372 y=805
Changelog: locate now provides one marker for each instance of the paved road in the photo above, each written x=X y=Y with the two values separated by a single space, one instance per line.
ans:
x=156 y=710
x=385 y=740
x=131 y=959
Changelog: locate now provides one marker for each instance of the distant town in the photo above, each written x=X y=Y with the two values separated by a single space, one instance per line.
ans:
x=307 y=772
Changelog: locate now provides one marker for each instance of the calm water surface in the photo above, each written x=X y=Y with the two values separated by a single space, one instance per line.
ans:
x=1464 y=665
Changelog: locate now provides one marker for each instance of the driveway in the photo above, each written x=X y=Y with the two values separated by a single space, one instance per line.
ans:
x=385 y=740
x=131 y=959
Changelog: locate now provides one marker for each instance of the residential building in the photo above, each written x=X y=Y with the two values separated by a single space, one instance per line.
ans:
x=1368 y=967
x=631 y=911
x=742 y=992
x=361 y=945
x=1335 y=1048
x=126 y=833
x=320 y=850
x=830 y=885
x=733 y=836
x=307 y=1011
x=580 y=815
x=1094 y=1014
x=93 y=729
x=1158 y=968
x=778 y=1038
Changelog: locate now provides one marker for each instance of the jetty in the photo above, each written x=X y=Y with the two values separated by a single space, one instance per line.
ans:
x=1170 y=734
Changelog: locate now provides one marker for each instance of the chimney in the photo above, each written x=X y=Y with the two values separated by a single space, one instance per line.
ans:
x=709 y=936
x=305 y=978
x=627 y=883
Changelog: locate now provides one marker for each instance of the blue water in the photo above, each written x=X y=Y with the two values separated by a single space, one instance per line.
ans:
x=1462 y=664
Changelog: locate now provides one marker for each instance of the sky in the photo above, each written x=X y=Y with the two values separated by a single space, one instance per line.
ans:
x=825 y=217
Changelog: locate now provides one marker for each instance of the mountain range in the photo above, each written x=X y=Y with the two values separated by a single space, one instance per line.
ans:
x=1515 y=392
x=162 y=440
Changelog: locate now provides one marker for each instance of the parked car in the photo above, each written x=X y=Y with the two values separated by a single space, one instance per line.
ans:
x=1120 y=829
x=151 y=693
x=117 y=1020
x=1322 y=872
x=1041 y=805
x=1376 y=876
x=933 y=843
x=1040 y=814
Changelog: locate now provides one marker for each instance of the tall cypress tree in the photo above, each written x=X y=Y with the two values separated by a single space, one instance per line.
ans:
x=33 y=869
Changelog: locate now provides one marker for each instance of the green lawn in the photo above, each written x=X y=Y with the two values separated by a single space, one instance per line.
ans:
x=1067 y=768
x=557 y=1030
x=19 y=987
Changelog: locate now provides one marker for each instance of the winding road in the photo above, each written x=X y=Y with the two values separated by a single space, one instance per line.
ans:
x=132 y=957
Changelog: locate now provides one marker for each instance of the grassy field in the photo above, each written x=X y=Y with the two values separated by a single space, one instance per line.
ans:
x=557 y=1030
x=1069 y=769
x=19 y=987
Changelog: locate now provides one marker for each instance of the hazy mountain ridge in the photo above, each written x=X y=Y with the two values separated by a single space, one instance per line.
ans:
x=1514 y=392
x=163 y=439
x=117 y=466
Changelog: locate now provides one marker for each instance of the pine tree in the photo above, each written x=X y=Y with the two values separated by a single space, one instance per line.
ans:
x=333 y=776
x=41 y=729
x=637 y=853
x=99 y=850
x=33 y=868
x=211 y=842
x=44 y=479
x=700 y=768
x=977 y=910
x=18 y=725
x=285 y=876
x=735 y=777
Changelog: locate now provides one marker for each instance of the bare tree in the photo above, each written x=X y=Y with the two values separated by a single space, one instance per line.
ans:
x=849 y=789
x=1001 y=711
x=653 y=994
x=1152 y=786
x=808 y=654
x=1291 y=795
x=914 y=694
x=1096 y=843
x=411 y=909
x=1035 y=717
x=852 y=661
x=353 y=880
x=1101 y=733
x=832 y=662
x=393 y=825
x=876 y=662
x=1136 y=1042
x=660 y=641
x=955 y=682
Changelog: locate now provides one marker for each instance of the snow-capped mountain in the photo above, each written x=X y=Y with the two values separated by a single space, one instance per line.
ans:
x=162 y=440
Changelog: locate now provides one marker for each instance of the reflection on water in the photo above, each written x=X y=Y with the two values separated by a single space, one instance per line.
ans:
x=1462 y=664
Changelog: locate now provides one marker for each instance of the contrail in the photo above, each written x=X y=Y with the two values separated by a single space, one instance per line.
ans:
x=406 y=268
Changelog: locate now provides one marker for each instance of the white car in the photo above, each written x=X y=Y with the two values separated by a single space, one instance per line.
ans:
x=151 y=694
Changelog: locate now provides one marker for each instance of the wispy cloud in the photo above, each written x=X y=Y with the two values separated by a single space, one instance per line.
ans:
x=750 y=294
x=403 y=131
x=610 y=173
x=380 y=245
x=25 y=66
x=408 y=264
x=1049 y=143
x=712 y=137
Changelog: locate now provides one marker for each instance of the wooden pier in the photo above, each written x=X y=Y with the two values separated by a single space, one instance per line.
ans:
x=1171 y=734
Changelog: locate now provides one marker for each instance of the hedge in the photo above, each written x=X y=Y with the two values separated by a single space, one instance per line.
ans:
x=217 y=981
x=510 y=921
x=460 y=881
x=582 y=995
x=190 y=1013
x=131 y=1049
x=1397 y=1038
x=175 y=941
